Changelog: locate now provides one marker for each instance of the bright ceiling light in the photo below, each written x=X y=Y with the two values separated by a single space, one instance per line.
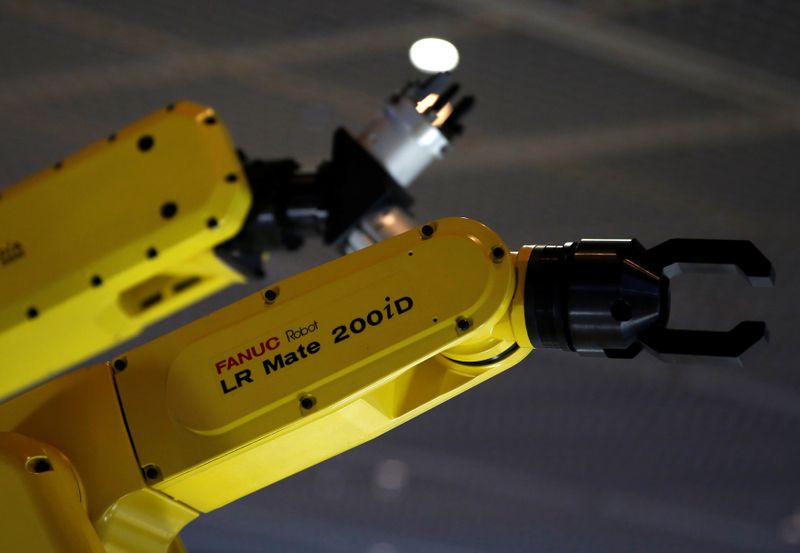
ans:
x=433 y=55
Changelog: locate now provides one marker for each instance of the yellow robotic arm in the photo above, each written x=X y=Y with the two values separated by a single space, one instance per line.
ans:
x=114 y=238
x=322 y=362
x=120 y=456
x=166 y=212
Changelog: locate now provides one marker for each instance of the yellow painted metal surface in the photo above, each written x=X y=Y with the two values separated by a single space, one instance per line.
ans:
x=517 y=314
x=144 y=521
x=113 y=238
x=264 y=388
x=42 y=505
x=78 y=415
x=268 y=386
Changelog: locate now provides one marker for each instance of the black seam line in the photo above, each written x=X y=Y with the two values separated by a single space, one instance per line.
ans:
x=125 y=418
x=495 y=359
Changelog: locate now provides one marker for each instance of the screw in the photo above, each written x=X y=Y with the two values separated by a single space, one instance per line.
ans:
x=307 y=402
x=463 y=324
x=621 y=310
x=498 y=253
x=271 y=295
x=427 y=231
x=145 y=143
x=169 y=209
x=38 y=464
x=151 y=472
x=120 y=364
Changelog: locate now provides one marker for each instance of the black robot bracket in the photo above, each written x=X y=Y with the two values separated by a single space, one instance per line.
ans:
x=366 y=174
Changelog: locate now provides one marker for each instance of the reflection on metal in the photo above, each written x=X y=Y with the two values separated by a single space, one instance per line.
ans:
x=443 y=114
x=417 y=126
x=379 y=226
x=404 y=141
x=427 y=102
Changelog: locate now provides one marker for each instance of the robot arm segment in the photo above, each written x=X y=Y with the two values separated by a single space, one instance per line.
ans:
x=114 y=238
x=331 y=358
x=165 y=213
x=319 y=363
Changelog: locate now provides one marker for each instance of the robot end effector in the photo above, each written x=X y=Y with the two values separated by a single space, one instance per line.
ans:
x=358 y=197
x=612 y=297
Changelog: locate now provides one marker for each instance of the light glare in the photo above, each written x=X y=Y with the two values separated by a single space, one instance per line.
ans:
x=442 y=115
x=433 y=55
x=427 y=102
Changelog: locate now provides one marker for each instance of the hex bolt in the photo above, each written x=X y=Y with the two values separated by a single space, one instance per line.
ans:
x=271 y=295
x=120 y=364
x=151 y=472
x=463 y=324
x=307 y=402
x=168 y=210
x=38 y=464
x=498 y=253
x=145 y=143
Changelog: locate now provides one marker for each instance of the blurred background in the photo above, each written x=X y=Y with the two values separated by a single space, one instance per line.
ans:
x=649 y=119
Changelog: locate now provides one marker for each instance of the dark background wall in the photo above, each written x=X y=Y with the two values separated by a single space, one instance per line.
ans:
x=651 y=119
